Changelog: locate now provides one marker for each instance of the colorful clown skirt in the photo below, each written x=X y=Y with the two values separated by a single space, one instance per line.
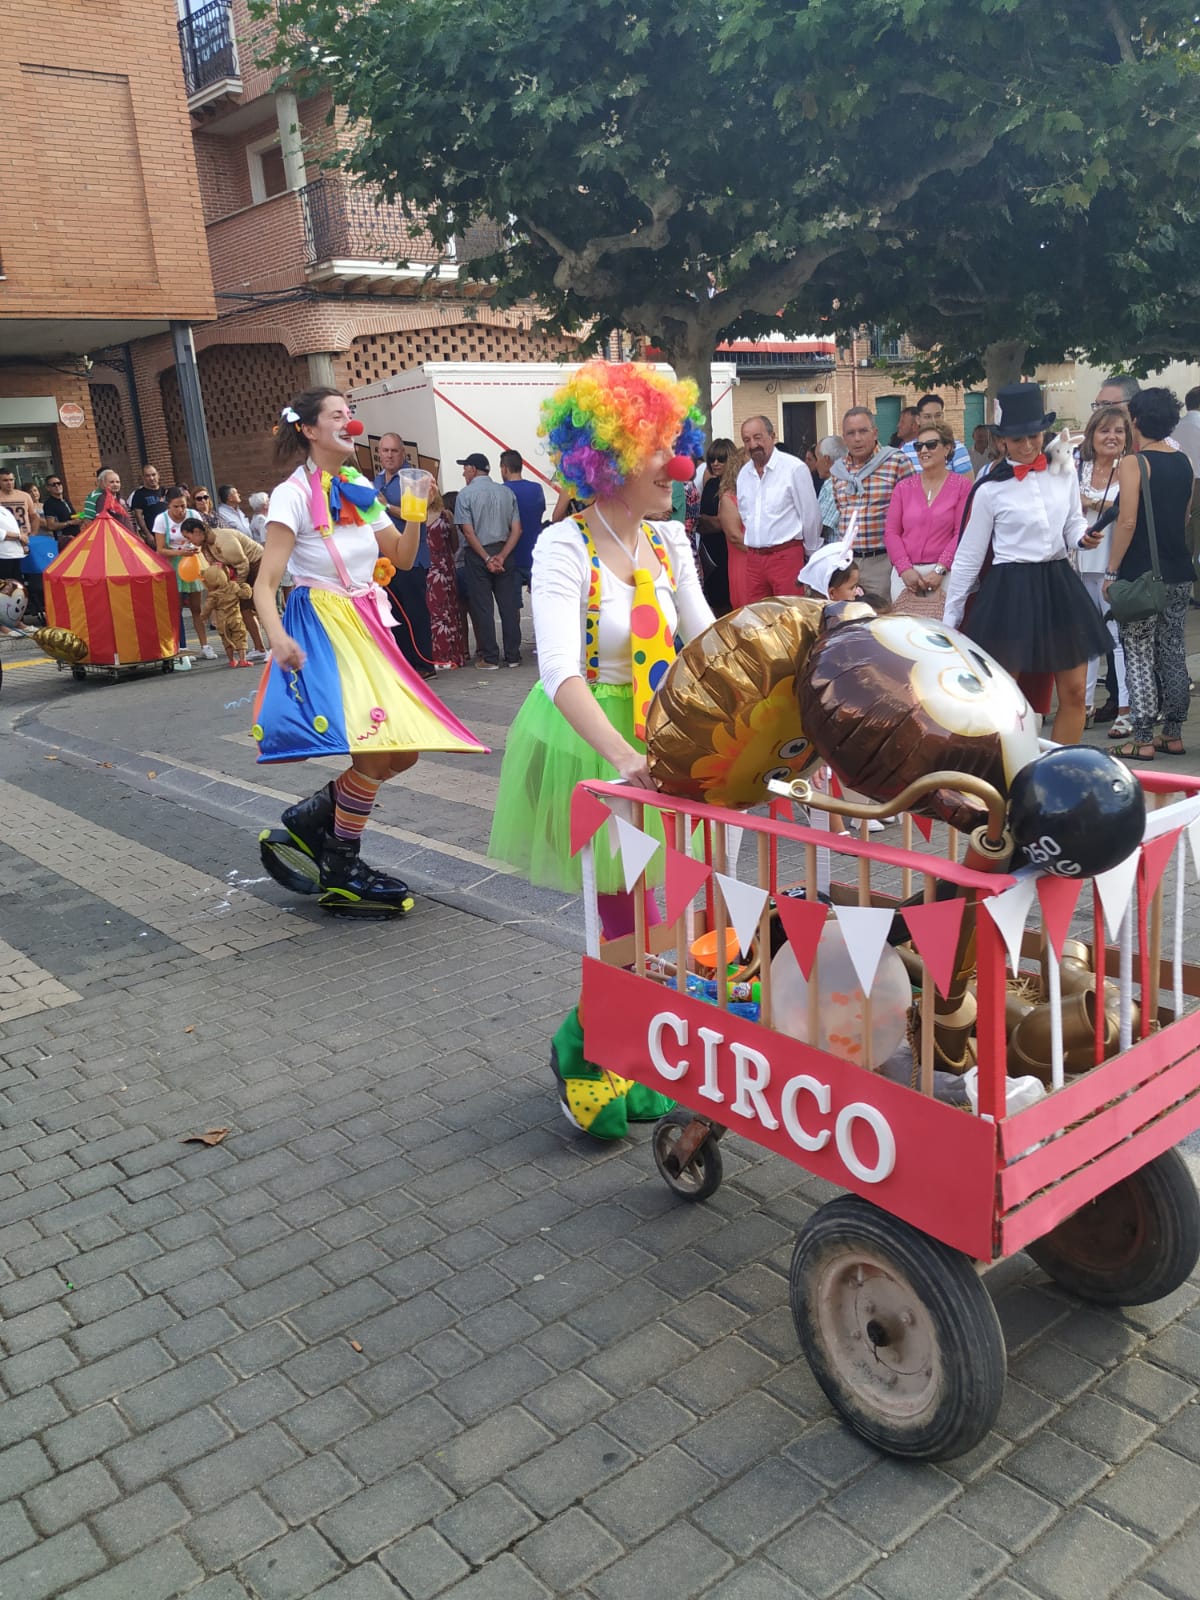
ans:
x=544 y=758
x=355 y=694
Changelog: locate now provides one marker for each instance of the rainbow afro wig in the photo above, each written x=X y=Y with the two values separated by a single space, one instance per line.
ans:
x=608 y=420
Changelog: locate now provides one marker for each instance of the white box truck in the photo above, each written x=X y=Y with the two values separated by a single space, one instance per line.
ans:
x=445 y=410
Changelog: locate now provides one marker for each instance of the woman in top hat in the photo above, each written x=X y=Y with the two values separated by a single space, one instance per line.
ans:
x=1030 y=612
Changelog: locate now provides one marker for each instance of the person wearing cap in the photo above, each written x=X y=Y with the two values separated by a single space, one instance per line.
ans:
x=489 y=520
x=1031 y=611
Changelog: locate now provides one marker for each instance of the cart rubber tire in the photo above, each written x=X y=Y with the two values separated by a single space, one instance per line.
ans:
x=898 y=1329
x=702 y=1176
x=168 y=665
x=1133 y=1243
x=79 y=674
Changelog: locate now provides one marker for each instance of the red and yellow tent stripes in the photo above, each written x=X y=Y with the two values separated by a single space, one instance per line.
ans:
x=117 y=595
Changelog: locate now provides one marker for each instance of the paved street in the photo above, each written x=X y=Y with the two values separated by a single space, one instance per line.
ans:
x=401 y=1334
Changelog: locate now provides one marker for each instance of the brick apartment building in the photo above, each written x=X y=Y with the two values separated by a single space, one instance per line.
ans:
x=303 y=269
x=806 y=386
x=102 y=241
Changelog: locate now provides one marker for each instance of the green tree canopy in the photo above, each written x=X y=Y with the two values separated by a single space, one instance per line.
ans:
x=640 y=154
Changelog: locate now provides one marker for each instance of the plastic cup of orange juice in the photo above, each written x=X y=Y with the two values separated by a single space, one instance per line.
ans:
x=414 y=494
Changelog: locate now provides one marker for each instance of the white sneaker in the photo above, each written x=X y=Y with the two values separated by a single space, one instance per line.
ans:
x=874 y=825
x=256 y=655
x=208 y=653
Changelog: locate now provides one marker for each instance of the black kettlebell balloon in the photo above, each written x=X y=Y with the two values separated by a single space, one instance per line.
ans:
x=1075 y=812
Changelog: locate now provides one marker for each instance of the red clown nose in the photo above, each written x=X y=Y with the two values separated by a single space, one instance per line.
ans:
x=681 y=469
x=354 y=428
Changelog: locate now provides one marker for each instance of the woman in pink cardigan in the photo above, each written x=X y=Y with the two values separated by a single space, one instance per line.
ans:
x=923 y=521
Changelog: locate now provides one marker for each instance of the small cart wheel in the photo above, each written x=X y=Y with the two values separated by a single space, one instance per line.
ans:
x=898 y=1329
x=696 y=1179
x=1135 y=1242
x=168 y=664
x=79 y=674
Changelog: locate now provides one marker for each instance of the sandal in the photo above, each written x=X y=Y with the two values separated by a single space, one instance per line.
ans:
x=1131 y=750
x=1170 y=747
x=1122 y=726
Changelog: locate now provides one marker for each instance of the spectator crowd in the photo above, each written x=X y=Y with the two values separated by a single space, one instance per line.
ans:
x=899 y=523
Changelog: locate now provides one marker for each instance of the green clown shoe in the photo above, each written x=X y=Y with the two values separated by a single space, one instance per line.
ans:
x=594 y=1100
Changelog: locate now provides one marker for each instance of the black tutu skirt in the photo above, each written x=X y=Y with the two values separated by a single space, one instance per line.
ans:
x=1035 y=616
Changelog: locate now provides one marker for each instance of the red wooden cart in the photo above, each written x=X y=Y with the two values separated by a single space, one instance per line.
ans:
x=885 y=1283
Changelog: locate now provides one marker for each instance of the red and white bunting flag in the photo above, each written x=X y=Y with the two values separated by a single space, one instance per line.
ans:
x=935 y=929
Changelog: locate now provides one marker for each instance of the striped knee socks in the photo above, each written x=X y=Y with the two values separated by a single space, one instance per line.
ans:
x=353 y=797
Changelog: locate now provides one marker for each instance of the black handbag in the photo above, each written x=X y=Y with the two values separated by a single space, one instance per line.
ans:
x=1135 y=599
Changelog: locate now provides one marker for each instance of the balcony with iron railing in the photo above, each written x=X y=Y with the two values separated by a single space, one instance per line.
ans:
x=359 y=242
x=209 y=51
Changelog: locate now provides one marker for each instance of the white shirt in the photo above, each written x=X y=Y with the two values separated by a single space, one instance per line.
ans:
x=1097 y=560
x=560 y=592
x=1187 y=437
x=258 y=527
x=310 y=558
x=779 y=506
x=1037 y=518
x=171 y=531
x=11 y=548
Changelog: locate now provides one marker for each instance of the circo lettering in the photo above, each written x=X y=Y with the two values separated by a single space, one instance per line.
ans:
x=885 y=1154
x=658 y=1025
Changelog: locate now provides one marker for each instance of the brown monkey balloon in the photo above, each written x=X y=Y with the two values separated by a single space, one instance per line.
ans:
x=887 y=700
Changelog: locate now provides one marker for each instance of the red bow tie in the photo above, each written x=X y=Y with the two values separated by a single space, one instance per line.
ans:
x=1038 y=464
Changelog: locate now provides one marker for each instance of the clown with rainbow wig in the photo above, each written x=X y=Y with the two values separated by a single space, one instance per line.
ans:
x=615 y=595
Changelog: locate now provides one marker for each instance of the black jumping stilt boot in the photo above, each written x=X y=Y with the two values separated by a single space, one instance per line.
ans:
x=308 y=821
x=350 y=888
x=292 y=853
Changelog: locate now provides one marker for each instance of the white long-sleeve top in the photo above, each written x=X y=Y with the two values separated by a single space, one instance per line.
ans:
x=1037 y=518
x=560 y=593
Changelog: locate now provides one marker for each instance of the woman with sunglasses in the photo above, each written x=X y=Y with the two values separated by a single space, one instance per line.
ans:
x=1031 y=611
x=923 y=519
x=202 y=505
x=714 y=551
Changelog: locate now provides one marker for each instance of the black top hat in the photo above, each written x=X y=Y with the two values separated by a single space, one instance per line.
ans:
x=1021 y=411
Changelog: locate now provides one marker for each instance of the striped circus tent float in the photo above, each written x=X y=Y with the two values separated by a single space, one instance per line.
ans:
x=118 y=596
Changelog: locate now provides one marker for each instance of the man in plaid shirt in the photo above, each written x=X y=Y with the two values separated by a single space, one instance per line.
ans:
x=863 y=481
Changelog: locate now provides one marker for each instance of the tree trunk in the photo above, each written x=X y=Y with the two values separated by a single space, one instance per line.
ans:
x=1002 y=363
x=690 y=349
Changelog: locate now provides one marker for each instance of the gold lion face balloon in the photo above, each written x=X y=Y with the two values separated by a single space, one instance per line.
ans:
x=887 y=700
x=60 y=644
x=726 y=717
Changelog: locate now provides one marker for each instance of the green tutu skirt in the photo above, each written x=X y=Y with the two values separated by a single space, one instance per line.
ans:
x=544 y=758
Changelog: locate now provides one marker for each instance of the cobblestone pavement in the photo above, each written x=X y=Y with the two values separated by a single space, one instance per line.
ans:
x=401 y=1333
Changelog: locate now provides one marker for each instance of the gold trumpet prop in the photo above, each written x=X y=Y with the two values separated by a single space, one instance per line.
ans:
x=989 y=847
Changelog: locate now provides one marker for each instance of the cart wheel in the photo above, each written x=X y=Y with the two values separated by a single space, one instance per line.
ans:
x=168 y=664
x=114 y=676
x=79 y=674
x=898 y=1329
x=1134 y=1243
x=701 y=1177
